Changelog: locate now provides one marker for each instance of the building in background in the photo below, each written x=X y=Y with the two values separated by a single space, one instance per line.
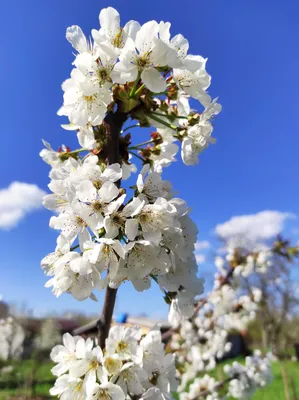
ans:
x=90 y=329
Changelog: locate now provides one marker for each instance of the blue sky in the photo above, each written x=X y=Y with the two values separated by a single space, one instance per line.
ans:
x=252 y=48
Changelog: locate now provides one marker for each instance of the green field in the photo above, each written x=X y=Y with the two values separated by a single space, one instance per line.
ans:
x=276 y=390
x=22 y=374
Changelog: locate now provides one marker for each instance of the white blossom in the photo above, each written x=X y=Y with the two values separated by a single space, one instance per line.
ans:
x=141 y=57
x=131 y=366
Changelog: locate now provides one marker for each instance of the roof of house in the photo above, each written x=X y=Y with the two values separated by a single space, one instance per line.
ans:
x=145 y=324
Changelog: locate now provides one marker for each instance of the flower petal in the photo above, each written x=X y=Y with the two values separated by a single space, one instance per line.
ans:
x=153 y=80
x=131 y=228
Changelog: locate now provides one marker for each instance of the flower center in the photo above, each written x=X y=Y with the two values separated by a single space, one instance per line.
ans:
x=81 y=222
x=103 y=75
x=203 y=387
x=143 y=61
x=97 y=206
x=97 y=184
x=144 y=217
x=117 y=219
x=118 y=39
x=103 y=395
x=121 y=346
x=89 y=99
x=106 y=250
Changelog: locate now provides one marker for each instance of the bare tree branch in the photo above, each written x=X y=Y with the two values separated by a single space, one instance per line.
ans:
x=113 y=123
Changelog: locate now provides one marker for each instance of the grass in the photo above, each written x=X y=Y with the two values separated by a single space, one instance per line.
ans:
x=276 y=391
x=22 y=374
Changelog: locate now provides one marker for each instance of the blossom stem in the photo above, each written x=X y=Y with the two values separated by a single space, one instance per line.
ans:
x=133 y=91
x=136 y=155
x=76 y=151
x=139 y=90
x=141 y=144
x=74 y=247
x=160 y=93
x=154 y=117
x=130 y=127
x=113 y=123
x=169 y=116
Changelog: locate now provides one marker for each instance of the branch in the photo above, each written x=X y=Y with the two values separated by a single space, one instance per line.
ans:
x=113 y=123
x=104 y=322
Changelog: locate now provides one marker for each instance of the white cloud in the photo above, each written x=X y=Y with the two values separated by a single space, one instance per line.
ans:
x=252 y=230
x=204 y=244
x=17 y=200
x=200 y=258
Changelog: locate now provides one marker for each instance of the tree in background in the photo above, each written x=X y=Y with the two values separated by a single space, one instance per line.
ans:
x=12 y=337
x=273 y=271
x=230 y=306
x=49 y=334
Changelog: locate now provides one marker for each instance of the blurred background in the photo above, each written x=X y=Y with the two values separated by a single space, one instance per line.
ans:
x=245 y=187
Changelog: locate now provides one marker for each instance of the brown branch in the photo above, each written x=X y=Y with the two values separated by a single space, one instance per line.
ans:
x=113 y=123
x=168 y=334
x=104 y=322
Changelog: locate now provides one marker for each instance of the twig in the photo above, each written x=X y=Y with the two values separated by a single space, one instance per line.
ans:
x=170 y=116
x=285 y=381
x=161 y=121
x=130 y=127
x=137 y=156
x=135 y=147
x=76 y=151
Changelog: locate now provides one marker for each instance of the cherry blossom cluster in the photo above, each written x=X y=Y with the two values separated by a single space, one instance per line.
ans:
x=149 y=237
x=247 y=262
x=267 y=262
x=203 y=339
x=246 y=379
x=242 y=381
x=131 y=367
x=150 y=76
x=200 y=385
